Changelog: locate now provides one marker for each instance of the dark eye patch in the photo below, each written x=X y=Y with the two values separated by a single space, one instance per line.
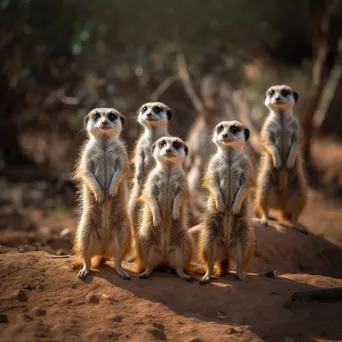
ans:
x=96 y=116
x=157 y=109
x=285 y=92
x=144 y=109
x=235 y=129
x=177 y=145
x=220 y=128
x=111 y=117
x=271 y=92
x=163 y=143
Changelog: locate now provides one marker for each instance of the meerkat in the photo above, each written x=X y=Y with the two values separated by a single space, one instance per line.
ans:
x=226 y=232
x=103 y=231
x=281 y=183
x=163 y=237
x=154 y=117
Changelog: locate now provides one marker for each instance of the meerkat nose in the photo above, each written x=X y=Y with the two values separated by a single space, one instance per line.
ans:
x=168 y=150
x=278 y=98
x=104 y=122
x=149 y=114
x=225 y=135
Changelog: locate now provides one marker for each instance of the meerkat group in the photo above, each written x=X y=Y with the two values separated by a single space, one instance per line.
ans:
x=152 y=225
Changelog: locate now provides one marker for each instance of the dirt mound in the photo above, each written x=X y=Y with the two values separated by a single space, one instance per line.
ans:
x=43 y=300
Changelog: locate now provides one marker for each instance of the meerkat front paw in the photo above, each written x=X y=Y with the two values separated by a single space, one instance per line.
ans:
x=277 y=163
x=113 y=190
x=175 y=214
x=99 y=196
x=220 y=206
x=156 y=219
x=236 y=209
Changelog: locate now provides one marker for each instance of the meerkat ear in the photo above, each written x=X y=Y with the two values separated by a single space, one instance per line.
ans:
x=186 y=150
x=123 y=120
x=85 y=121
x=295 y=96
x=246 y=134
x=169 y=114
x=153 y=147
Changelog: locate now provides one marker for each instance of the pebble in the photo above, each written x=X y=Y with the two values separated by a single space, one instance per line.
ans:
x=92 y=298
x=231 y=331
x=21 y=296
x=39 y=312
x=3 y=318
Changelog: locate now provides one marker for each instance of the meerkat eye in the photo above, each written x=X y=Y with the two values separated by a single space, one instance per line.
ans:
x=157 y=109
x=271 y=92
x=220 y=128
x=163 y=143
x=96 y=116
x=235 y=129
x=112 y=117
x=177 y=145
x=285 y=92
x=144 y=109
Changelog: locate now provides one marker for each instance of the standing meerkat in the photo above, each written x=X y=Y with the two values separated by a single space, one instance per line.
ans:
x=227 y=233
x=281 y=183
x=163 y=237
x=103 y=231
x=154 y=117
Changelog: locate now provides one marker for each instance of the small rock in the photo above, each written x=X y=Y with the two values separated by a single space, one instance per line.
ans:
x=231 y=331
x=61 y=251
x=21 y=296
x=156 y=333
x=271 y=274
x=3 y=318
x=221 y=315
x=92 y=298
x=39 y=312
x=117 y=318
x=28 y=287
x=289 y=339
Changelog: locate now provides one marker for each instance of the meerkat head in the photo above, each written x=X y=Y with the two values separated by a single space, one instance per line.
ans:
x=280 y=98
x=169 y=150
x=154 y=114
x=230 y=134
x=104 y=122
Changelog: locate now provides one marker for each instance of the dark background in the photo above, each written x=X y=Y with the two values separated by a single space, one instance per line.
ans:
x=59 y=59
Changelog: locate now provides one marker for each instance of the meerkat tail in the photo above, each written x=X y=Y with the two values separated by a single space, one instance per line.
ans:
x=194 y=269
x=96 y=261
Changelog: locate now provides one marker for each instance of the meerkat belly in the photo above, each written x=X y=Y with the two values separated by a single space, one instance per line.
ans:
x=229 y=186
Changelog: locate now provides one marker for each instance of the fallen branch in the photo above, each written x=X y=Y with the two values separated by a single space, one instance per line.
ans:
x=319 y=294
x=163 y=87
x=243 y=115
x=185 y=78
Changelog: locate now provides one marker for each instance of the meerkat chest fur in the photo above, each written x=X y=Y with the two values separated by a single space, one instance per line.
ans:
x=105 y=154
x=147 y=139
x=282 y=127
x=230 y=166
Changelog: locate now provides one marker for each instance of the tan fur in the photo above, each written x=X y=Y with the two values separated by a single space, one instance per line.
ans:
x=227 y=232
x=143 y=161
x=281 y=183
x=103 y=231
x=163 y=236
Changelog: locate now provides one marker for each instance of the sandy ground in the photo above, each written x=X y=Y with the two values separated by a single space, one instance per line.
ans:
x=41 y=298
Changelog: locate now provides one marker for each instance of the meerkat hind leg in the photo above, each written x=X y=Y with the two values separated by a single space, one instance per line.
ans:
x=86 y=266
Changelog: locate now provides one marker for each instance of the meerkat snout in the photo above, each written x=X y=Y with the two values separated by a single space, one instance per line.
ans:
x=280 y=97
x=230 y=134
x=170 y=149
x=154 y=114
x=104 y=121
